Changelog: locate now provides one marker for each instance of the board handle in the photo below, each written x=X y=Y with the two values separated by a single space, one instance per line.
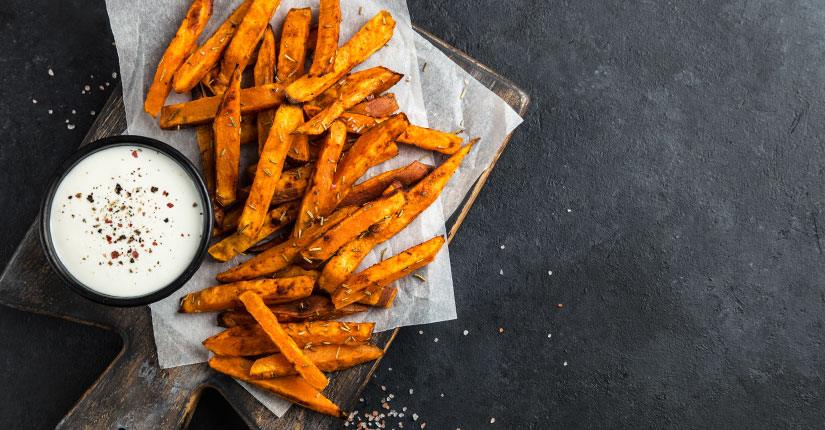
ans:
x=134 y=393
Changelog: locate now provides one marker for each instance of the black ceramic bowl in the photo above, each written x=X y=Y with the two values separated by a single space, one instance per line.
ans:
x=45 y=211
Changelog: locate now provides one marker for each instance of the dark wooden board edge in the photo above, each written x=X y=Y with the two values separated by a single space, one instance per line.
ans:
x=137 y=361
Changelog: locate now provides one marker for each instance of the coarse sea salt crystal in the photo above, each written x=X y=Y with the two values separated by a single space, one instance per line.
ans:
x=51 y=72
x=466 y=332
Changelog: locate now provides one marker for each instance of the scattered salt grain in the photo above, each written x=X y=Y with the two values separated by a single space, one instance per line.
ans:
x=420 y=331
x=435 y=340
x=411 y=391
x=442 y=394
x=51 y=72
x=569 y=210
x=34 y=101
x=415 y=417
x=67 y=121
x=101 y=87
x=70 y=126
x=492 y=420
x=74 y=111
x=501 y=329
x=501 y=272
x=466 y=332
x=92 y=113
x=564 y=364
x=106 y=83
x=114 y=75
x=549 y=335
x=51 y=111
x=550 y=272
x=383 y=388
x=502 y=246
x=87 y=88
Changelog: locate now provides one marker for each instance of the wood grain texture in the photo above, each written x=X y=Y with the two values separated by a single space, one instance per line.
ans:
x=133 y=392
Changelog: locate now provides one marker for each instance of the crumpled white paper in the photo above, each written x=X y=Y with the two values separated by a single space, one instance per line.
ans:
x=443 y=96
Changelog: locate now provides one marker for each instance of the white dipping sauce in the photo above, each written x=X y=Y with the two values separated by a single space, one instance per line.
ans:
x=126 y=221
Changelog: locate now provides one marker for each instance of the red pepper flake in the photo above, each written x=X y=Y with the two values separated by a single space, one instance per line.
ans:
x=115 y=254
x=154 y=243
x=135 y=254
x=108 y=238
x=170 y=205
x=165 y=193
x=134 y=154
x=107 y=220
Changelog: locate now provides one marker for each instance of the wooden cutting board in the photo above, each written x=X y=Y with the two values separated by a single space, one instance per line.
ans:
x=133 y=392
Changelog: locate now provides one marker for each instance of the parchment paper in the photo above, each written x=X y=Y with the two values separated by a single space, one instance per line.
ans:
x=443 y=96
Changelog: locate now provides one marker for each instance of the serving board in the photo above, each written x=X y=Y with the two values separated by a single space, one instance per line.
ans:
x=133 y=392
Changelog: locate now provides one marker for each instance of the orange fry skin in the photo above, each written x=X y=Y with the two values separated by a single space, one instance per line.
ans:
x=356 y=88
x=290 y=350
x=371 y=213
x=227 y=134
x=282 y=255
x=269 y=169
x=206 y=56
x=326 y=39
x=369 y=39
x=264 y=73
x=203 y=110
x=246 y=37
x=293 y=388
x=225 y=296
x=328 y=358
x=365 y=150
x=433 y=140
x=372 y=280
x=181 y=45
x=319 y=200
x=419 y=198
x=292 y=52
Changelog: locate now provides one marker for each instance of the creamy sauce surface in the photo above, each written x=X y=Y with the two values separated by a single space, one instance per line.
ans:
x=126 y=221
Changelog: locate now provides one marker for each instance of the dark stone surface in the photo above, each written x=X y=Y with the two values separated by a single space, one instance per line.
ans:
x=669 y=173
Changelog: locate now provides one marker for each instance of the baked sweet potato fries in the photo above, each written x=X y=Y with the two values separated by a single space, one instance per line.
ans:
x=303 y=207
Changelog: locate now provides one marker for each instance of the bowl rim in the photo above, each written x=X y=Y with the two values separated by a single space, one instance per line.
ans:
x=45 y=218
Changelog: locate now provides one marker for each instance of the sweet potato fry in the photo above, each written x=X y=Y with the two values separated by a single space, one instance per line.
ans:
x=225 y=296
x=227 y=134
x=246 y=37
x=205 y=57
x=319 y=200
x=289 y=349
x=280 y=256
x=179 y=48
x=204 y=110
x=359 y=124
x=370 y=38
x=299 y=151
x=371 y=213
x=276 y=219
x=312 y=308
x=264 y=73
x=384 y=298
x=292 y=52
x=251 y=340
x=326 y=39
x=328 y=358
x=378 y=107
x=356 y=88
x=293 y=388
x=419 y=198
x=362 y=155
x=291 y=271
x=378 y=276
x=373 y=187
x=433 y=140
x=269 y=168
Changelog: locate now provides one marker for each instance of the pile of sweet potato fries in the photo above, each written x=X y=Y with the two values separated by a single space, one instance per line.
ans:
x=318 y=127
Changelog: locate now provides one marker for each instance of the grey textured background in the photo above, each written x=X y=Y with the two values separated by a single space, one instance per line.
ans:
x=669 y=173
